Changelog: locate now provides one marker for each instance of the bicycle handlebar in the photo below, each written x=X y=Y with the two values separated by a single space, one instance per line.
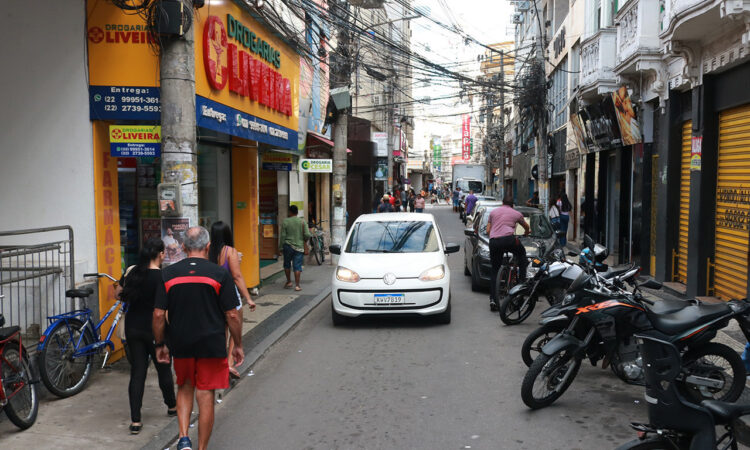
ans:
x=99 y=275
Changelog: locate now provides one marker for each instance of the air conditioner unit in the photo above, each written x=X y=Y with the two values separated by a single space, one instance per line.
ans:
x=517 y=18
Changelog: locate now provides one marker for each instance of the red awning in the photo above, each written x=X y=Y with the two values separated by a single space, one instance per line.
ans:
x=317 y=139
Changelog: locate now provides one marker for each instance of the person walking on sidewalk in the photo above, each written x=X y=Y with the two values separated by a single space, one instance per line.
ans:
x=201 y=301
x=386 y=205
x=564 y=206
x=419 y=204
x=223 y=253
x=294 y=234
x=139 y=287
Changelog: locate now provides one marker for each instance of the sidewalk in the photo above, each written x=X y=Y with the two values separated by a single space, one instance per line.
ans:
x=99 y=416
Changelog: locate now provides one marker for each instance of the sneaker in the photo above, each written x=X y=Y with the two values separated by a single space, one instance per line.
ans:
x=184 y=444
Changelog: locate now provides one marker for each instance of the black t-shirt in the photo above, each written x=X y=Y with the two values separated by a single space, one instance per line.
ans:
x=139 y=317
x=196 y=293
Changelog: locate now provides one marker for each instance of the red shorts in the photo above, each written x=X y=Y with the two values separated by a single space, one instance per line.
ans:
x=204 y=373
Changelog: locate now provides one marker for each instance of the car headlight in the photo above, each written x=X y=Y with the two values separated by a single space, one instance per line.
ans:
x=433 y=273
x=484 y=251
x=568 y=299
x=344 y=274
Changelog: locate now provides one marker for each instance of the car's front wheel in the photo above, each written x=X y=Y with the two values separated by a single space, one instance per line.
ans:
x=444 y=318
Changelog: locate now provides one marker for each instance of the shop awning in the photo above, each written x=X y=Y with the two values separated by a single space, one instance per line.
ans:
x=314 y=139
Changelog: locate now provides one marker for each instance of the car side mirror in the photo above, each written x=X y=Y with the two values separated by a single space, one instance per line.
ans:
x=335 y=249
x=469 y=232
x=452 y=248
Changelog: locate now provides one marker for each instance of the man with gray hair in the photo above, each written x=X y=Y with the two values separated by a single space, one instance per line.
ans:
x=201 y=300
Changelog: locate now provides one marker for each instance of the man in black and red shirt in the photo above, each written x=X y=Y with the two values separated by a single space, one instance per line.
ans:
x=201 y=302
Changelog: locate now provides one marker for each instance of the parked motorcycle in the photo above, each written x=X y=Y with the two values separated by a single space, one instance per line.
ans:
x=551 y=279
x=603 y=331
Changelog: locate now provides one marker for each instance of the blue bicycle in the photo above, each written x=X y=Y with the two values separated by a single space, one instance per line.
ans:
x=68 y=345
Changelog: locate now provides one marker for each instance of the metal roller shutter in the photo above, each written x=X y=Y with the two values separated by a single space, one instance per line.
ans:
x=682 y=248
x=732 y=204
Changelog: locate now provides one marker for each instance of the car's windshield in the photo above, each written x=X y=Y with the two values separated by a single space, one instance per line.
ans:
x=467 y=185
x=539 y=224
x=393 y=237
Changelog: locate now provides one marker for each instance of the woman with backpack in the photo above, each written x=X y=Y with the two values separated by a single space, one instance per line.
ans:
x=564 y=206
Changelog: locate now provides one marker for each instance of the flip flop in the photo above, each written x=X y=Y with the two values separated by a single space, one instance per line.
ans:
x=297 y=288
x=288 y=285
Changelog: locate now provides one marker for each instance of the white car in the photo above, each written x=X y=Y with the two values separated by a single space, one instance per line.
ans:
x=392 y=264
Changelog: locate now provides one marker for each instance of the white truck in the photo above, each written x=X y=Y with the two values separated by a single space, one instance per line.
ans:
x=469 y=177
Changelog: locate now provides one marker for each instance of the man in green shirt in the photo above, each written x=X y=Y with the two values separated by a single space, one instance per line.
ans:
x=294 y=234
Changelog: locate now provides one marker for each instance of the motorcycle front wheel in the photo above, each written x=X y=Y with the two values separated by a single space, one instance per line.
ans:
x=548 y=378
x=712 y=372
x=532 y=346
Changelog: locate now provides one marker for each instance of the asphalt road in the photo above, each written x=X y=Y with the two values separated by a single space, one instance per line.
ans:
x=410 y=384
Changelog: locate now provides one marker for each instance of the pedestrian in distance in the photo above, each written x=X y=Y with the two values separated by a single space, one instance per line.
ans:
x=456 y=196
x=294 y=234
x=224 y=254
x=534 y=200
x=554 y=214
x=200 y=299
x=564 y=206
x=404 y=200
x=385 y=206
x=411 y=200
x=139 y=288
x=376 y=201
x=419 y=204
x=469 y=202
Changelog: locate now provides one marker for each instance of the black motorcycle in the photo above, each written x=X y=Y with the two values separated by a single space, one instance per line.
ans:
x=604 y=331
x=675 y=422
x=554 y=320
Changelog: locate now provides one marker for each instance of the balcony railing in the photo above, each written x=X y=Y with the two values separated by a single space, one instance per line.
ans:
x=598 y=58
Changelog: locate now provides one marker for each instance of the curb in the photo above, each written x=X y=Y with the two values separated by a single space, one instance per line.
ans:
x=259 y=340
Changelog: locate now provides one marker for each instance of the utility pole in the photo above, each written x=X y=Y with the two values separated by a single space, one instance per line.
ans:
x=177 y=85
x=541 y=148
x=502 y=121
x=340 y=78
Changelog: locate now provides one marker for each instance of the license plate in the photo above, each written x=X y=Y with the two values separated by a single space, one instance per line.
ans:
x=389 y=299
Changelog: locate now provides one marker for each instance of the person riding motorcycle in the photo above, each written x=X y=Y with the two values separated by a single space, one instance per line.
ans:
x=501 y=228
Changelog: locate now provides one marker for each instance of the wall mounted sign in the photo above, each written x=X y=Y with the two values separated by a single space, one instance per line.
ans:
x=316 y=165
x=276 y=161
x=696 y=150
x=135 y=140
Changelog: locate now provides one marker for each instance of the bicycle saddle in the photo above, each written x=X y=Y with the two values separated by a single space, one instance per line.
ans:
x=724 y=412
x=7 y=332
x=688 y=317
x=79 y=293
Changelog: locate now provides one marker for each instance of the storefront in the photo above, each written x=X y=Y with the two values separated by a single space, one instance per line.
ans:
x=246 y=104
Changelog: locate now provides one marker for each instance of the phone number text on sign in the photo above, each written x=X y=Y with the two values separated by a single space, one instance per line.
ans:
x=124 y=102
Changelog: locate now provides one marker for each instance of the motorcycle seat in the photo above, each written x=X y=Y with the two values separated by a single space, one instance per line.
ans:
x=666 y=306
x=7 y=332
x=688 y=317
x=611 y=273
x=724 y=412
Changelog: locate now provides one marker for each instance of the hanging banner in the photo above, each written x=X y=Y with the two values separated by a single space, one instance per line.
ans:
x=276 y=161
x=466 y=138
x=630 y=129
x=380 y=138
x=696 y=150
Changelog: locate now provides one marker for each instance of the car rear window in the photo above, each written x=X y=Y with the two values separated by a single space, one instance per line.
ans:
x=393 y=237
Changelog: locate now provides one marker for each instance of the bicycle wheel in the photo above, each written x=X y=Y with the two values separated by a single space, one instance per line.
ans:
x=23 y=404
x=315 y=249
x=321 y=250
x=63 y=374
